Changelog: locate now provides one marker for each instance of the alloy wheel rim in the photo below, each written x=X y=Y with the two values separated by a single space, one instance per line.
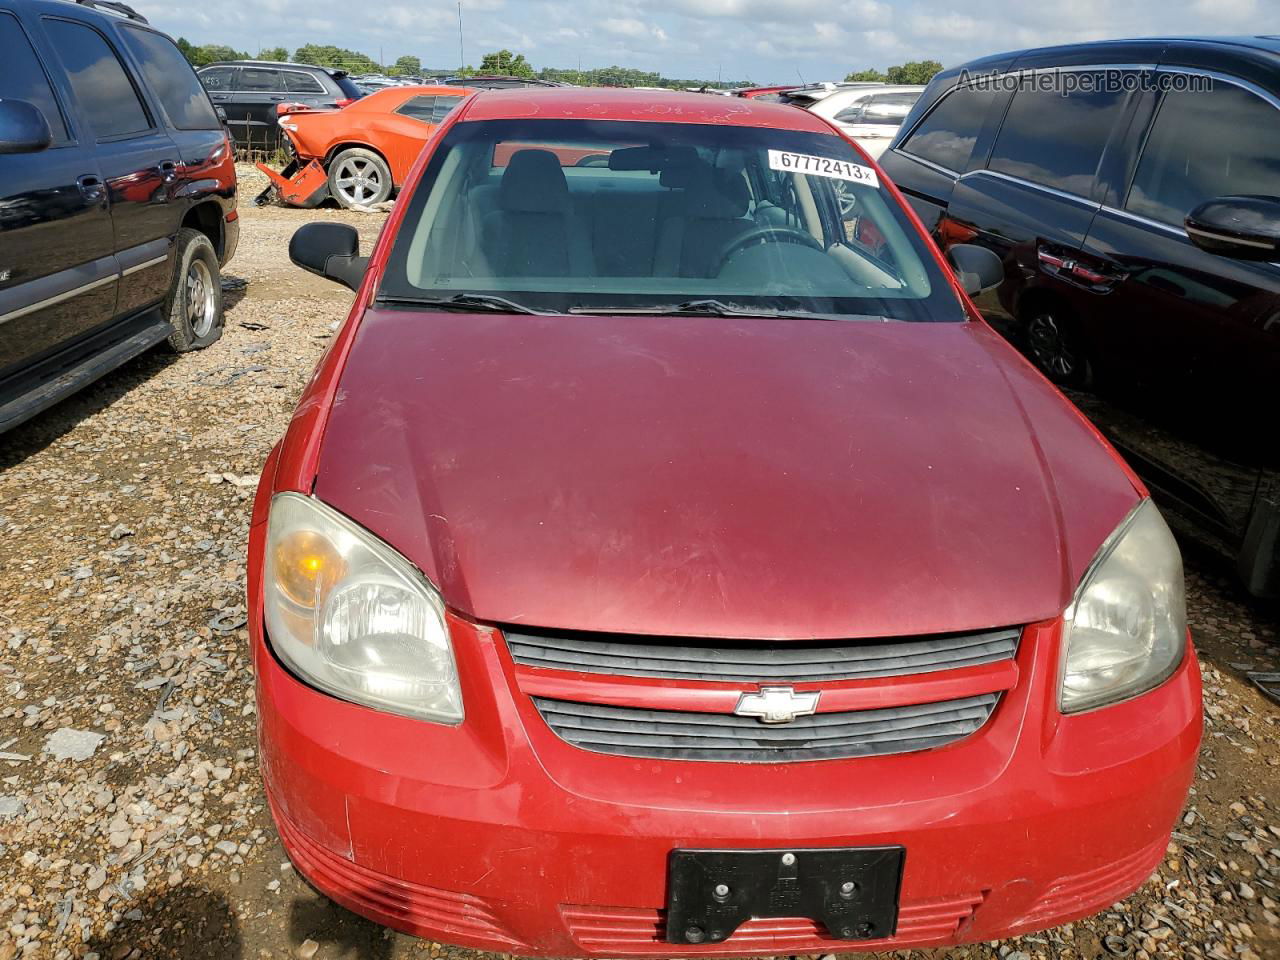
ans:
x=1049 y=346
x=358 y=180
x=200 y=298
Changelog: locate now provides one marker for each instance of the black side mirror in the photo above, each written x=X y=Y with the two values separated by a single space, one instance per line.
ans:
x=331 y=250
x=23 y=128
x=221 y=113
x=977 y=268
x=1244 y=228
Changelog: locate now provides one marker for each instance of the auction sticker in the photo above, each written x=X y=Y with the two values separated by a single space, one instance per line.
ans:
x=822 y=167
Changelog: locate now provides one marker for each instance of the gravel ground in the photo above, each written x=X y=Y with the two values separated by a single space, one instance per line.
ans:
x=132 y=819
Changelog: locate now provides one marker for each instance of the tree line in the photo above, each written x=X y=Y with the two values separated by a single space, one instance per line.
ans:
x=507 y=63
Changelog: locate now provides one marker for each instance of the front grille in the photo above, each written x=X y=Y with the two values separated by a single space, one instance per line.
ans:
x=758 y=661
x=686 y=735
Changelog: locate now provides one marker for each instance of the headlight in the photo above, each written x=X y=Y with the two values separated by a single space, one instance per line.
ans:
x=351 y=616
x=1126 y=629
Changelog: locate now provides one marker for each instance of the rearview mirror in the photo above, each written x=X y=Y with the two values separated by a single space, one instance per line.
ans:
x=977 y=268
x=330 y=250
x=1244 y=228
x=23 y=128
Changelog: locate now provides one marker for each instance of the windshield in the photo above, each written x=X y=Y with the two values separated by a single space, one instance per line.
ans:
x=593 y=216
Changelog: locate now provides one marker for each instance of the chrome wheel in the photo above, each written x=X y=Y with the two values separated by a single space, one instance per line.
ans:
x=1050 y=347
x=201 y=301
x=357 y=180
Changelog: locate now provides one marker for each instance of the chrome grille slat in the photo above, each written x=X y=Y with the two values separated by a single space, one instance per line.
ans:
x=684 y=735
x=753 y=661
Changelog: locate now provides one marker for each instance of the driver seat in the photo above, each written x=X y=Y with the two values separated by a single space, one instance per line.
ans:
x=715 y=205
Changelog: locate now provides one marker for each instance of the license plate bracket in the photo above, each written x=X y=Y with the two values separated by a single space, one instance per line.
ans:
x=852 y=891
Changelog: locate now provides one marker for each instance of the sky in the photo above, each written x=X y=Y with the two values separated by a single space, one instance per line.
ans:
x=768 y=41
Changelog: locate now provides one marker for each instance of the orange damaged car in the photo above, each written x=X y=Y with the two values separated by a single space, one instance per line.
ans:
x=359 y=154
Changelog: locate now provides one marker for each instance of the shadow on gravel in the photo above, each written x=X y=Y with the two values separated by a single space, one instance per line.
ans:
x=186 y=922
x=338 y=931
x=46 y=427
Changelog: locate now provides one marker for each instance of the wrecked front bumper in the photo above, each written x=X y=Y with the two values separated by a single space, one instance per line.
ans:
x=297 y=185
x=497 y=834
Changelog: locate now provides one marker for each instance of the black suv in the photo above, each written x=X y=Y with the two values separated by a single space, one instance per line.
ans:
x=117 y=199
x=250 y=90
x=1132 y=189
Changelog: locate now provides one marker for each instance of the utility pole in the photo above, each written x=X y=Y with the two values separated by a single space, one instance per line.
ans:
x=462 y=52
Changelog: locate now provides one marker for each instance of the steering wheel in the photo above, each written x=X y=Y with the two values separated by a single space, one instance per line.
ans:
x=769 y=233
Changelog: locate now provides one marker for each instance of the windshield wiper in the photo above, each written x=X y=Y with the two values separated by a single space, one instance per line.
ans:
x=479 y=302
x=715 y=308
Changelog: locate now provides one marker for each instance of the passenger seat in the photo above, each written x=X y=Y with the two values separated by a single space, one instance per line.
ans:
x=533 y=232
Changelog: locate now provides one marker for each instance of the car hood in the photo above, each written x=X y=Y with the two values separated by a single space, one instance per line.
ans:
x=707 y=476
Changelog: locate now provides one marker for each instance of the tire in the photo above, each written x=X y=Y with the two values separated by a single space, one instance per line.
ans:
x=1053 y=343
x=194 y=305
x=359 y=177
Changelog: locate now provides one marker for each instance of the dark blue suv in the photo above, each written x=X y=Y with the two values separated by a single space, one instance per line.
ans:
x=117 y=199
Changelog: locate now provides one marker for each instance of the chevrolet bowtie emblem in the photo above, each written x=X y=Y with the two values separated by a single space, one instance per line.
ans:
x=777 y=704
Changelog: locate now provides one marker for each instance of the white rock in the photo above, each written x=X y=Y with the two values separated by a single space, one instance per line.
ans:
x=68 y=744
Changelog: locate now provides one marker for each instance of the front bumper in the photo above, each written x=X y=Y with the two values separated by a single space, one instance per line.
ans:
x=496 y=834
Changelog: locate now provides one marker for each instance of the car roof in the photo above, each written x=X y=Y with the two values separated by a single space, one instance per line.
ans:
x=1265 y=43
x=609 y=103
x=275 y=63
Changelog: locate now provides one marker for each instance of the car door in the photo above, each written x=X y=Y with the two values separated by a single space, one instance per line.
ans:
x=1196 y=344
x=57 y=265
x=1032 y=203
x=139 y=161
x=260 y=91
x=191 y=121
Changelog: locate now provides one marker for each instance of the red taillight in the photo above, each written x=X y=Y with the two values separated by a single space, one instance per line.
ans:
x=344 y=102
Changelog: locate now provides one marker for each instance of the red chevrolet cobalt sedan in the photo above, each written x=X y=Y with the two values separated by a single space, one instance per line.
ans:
x=666 y=559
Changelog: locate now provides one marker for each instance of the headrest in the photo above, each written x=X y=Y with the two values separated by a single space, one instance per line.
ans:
x=534 y=183
x=717 y=195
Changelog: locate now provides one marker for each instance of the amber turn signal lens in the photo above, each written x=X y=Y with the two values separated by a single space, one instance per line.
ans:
x=306 y=566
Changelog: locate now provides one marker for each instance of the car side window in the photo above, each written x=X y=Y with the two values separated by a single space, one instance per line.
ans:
x=258 y=80
x=217 y=78
x=295 y=81
x=888 y=109
x=443 y=106
x=1206 y=144
x=23 y=78
x=419 y=108
x=947 y=134
x=171 y=79
x=107 y=97
x=1056 y=139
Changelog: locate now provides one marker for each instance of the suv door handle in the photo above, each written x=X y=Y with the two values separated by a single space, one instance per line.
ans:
x=281 y=97
x=168 y=171
x=92 y=188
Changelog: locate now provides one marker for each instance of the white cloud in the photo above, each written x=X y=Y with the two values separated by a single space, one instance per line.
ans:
x=766 y=40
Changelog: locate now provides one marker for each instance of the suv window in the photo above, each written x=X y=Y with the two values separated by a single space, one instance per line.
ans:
x=1204 y=145
x=259 y=80
x=295 y=81
x=107 y=97
x=24 y=79
x=171 y=80
x=947 y=135
x=1056 y=139
x=217 y=78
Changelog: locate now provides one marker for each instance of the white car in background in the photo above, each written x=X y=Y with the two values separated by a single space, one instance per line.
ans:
x=870 y=114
